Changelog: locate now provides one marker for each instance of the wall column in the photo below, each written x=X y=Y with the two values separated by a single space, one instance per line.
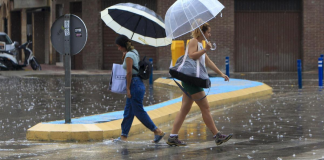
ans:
x=23 y=32
x=38 y=36
x=51 y=19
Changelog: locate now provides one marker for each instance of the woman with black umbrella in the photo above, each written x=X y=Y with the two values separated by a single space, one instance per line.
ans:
x=135 y=92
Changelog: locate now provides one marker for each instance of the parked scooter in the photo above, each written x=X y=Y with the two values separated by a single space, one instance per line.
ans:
x=30 y=59
x=8 y=60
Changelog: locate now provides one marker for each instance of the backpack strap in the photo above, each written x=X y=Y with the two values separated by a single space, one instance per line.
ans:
x=184 y=91
x=133 y=64
x=135 y=68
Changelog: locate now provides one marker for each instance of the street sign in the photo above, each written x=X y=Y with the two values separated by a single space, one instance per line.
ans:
x=69 y=36
x=75 y=28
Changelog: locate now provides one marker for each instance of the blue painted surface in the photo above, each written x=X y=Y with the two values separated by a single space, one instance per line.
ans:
x=218 y=86
x=299 y=69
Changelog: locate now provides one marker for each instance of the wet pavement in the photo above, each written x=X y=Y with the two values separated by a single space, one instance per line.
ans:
x=286 y=125
x=30 y=100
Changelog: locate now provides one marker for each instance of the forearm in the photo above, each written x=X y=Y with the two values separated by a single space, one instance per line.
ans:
x=129 y=79
x=129 y=64
x=213 y=67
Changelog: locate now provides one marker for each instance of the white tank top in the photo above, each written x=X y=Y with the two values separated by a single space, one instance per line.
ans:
x=203 y=57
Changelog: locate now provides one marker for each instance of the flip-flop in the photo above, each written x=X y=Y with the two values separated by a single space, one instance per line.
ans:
x=157 y=138
x=118 y=140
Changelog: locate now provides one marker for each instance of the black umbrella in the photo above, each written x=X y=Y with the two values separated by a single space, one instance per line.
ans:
x=137 y=22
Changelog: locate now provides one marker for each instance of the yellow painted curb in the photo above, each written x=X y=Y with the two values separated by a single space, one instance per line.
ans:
x=101 y=131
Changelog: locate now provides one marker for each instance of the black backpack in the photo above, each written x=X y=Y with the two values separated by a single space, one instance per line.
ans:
x=145 y=68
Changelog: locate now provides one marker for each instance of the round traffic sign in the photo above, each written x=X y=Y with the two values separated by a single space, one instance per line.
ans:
x=75 y=28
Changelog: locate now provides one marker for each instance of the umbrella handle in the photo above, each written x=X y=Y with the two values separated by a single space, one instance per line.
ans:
x=214 y=47
x=214 y=44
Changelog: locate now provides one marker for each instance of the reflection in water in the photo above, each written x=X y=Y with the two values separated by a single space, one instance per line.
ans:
x=30 y=100
x=285 y=125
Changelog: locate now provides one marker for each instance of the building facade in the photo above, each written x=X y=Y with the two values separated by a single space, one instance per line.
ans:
x=258 y=36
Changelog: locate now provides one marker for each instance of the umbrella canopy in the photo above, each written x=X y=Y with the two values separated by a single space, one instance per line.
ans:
x=186 y=15
x=137 y=22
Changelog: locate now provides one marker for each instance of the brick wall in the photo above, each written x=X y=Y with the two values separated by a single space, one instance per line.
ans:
x=92 y=52
x=313 y=33
x=222 y=34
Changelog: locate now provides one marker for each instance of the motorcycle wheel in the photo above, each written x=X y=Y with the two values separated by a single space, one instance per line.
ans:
x=9 y=65
x=34 y=64
x=2 y=68
x=39 y=66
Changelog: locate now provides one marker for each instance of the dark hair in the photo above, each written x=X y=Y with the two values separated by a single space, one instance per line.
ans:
x=123 y=41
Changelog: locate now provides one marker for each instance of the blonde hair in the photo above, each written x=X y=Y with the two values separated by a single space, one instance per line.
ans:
x=196 y=33
x=129 y=46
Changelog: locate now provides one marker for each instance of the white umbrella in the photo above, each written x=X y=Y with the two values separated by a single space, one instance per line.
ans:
x=186 y=15
x=137 y=22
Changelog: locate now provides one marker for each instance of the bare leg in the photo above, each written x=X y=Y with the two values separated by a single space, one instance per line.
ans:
x=204 y=108
x=185 y=108
x=158 y=132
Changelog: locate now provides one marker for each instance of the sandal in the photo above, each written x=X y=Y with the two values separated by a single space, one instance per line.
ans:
x=119 y=140
x=157 y=138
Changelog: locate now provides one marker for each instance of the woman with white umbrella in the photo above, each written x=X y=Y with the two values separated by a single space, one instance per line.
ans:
x=191 y=16
x=196 y=51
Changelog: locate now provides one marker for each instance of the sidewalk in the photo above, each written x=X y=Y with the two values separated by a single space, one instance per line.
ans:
x=59 y=70
x=106 y=126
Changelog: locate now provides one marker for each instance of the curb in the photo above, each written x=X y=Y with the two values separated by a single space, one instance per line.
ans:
x=112 y=129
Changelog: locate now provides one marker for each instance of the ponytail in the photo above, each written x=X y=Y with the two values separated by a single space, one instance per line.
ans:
x=129 y=46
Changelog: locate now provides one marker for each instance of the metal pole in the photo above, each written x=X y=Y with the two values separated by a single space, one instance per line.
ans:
x=227 y=66
x=322 y=56
x=299 y=68
x=67 y=68
x=151 y=76
x=320 y=72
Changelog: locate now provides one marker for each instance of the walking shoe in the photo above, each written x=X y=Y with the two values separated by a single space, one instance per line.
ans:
x=157 y=138
x=221 y=138
x=174 y=141
x=119 y=140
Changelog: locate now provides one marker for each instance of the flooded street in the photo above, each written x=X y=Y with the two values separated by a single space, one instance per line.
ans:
x=26 y=101
x=285 y=125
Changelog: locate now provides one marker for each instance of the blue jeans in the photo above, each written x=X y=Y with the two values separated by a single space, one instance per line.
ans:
x=134 y=107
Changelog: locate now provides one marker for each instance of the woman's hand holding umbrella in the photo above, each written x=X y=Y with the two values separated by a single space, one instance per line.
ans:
x=208 y=46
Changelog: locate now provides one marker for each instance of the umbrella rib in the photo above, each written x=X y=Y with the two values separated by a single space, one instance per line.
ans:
x=173 y=18
x=136 y=27
x=145 y=29
x=170 y=20
x=191 y=13
x=155 y=31
x=128 y=18
x=197 y=23
x=186 y=14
